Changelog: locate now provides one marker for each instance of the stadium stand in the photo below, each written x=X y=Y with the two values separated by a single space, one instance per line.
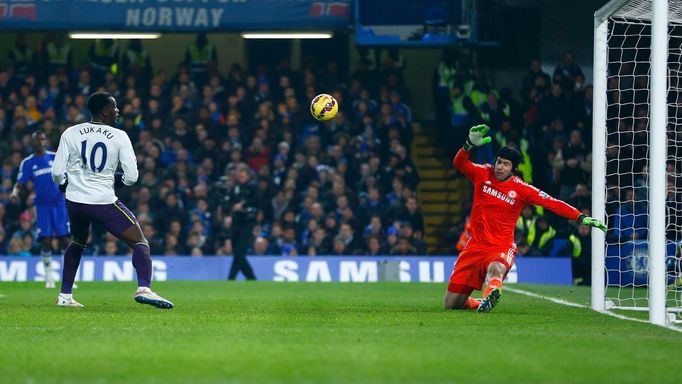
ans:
x=324 y=190
x=191 y=129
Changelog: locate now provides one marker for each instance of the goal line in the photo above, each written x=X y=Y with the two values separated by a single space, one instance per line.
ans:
x=576 y=305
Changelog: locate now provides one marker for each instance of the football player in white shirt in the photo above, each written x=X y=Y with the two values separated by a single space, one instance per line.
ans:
x=85 y=167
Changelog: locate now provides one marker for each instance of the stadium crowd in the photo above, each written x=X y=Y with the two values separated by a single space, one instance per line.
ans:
x=344 y=187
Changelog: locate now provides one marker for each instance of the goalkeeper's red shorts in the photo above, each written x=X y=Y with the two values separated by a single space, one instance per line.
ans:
x=469 y=272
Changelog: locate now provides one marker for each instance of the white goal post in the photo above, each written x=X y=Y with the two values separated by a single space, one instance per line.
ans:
x=637 y=83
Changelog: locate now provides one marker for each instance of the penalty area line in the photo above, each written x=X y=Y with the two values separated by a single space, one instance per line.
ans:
x=576 y=305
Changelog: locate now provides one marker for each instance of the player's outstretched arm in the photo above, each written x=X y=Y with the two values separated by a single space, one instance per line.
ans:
x=591 y=222
x=538 y=197
x=461 y=161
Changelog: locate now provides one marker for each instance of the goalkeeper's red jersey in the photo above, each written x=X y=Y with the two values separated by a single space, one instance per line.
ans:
x=498 y=204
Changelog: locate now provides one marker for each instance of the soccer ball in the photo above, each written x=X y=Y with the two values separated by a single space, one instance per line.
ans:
x=324 y=107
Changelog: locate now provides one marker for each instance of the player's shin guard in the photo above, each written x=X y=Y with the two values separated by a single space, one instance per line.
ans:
x=493 y=283
x=46 y=258
x=72 y=259
x=142 y=262
x=471 y=303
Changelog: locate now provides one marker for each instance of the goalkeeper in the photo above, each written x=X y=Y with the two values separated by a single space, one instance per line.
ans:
x=499 y=197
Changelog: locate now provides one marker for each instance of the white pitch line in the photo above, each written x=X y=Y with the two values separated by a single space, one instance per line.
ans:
x=571 y=304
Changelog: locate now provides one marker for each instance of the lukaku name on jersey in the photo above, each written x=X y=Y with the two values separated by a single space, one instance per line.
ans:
x=91 y=129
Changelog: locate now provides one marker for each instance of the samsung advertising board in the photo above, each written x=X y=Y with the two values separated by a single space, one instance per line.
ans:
x=273 y=268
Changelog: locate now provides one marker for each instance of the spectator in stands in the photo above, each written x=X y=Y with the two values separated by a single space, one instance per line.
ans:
x=289 y=245
x=260 y=247
x=103 y=56
x=137 y=63
x=375 y=227
x=392 y=236
x=631 y=218
x=413 y=214
x=580 y=242
x=582 y=109
x=374 y=246
x=56 y=54
x=555 y=105
x=110 y=248
x=406 y=232
x=403 y=248
x=524 y=249
x=155 y=242
x=201 y=58
x=529 y=79
x=568 y=70
x=541 y=236
x=21 y=57
x=352 y=244
x=339 y=247
x=25 y=233
x=16 y=248
x=574 y=163
x=371 y=206
x=581 y=197
x=494 y=111
x=319 y=244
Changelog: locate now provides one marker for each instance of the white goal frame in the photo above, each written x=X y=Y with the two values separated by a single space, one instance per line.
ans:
x=658 y=14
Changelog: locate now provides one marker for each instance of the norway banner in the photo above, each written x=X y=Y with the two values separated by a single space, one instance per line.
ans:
x=174 y=15
x=275 y=268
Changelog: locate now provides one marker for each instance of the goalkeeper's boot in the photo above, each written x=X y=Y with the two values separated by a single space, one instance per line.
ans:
x=489 y=302
x=64 y=300
x=144 y=295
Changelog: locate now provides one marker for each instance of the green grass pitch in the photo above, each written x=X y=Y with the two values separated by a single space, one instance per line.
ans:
x=329 y=332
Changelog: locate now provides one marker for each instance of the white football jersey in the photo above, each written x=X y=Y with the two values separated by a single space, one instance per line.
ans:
x=89 y=154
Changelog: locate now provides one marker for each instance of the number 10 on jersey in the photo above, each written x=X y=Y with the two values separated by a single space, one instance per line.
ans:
x=93 y=154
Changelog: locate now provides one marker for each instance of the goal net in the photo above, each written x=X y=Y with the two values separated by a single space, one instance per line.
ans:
x=643 y=247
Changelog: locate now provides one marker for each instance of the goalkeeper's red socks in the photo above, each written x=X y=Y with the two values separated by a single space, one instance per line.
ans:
x=493 y=283
x=471 y=303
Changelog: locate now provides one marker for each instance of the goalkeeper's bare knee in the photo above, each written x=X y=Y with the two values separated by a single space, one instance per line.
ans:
x=496 y=269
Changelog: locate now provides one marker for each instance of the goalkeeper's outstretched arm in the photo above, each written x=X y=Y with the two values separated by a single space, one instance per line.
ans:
x=538 y=197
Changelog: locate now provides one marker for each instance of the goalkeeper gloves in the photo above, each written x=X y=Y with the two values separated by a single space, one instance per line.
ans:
x=591 y=222
x=118 y=180
x=476 y=137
